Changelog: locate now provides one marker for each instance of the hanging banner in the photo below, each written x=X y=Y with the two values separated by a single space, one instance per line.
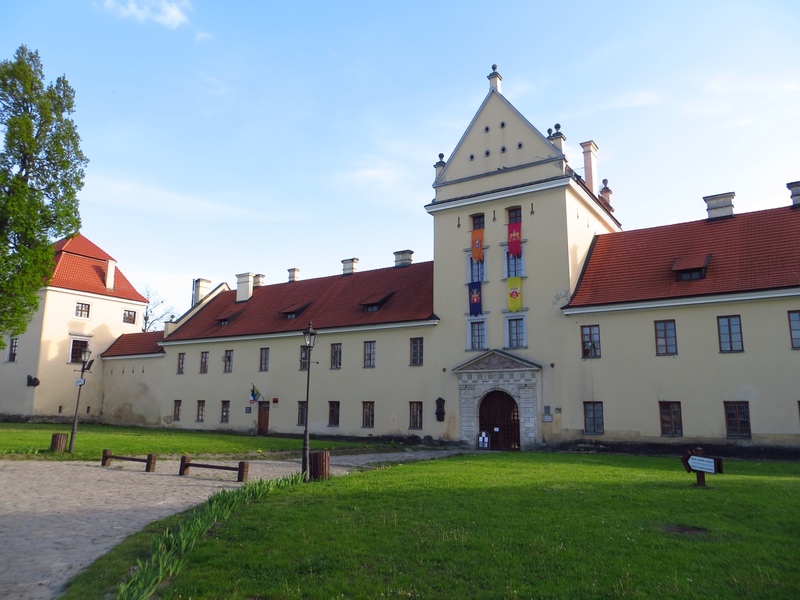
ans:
x=515 y=294
x=515 y=239
x=475 y=306
x=477 y=244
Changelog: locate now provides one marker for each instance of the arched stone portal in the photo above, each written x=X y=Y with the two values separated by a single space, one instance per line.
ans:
x=498 y=416
x=499 y=371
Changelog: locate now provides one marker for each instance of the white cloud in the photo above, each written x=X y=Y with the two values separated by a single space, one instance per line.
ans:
x=202 y=36
x=169 y=14
x=635 y=99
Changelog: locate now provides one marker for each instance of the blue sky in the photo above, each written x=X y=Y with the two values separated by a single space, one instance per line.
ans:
x=227 y=137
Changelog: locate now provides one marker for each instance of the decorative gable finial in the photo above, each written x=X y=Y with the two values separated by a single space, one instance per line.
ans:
x=494 y=79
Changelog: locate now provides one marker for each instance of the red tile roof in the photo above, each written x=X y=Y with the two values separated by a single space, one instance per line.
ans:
x=749 y=252
x=131 y=344
x=81 y=266
x=336 y=301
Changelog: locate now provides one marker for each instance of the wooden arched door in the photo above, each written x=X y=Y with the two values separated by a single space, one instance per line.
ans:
x=499 y=417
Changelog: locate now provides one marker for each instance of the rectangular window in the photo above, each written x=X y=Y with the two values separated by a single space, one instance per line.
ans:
x=82 y=310
x=513 y=265
x=263 y=359
x=415 y=415
x=304 y=358
x=336 y=356
x=176 y=410
x=13 y=347
x=301 y=412
x=129 y=317
x=204 y=361
x=201 y=410
x=730 y=334
x=369 y=355
x=593 y=417
x=476 y=271
x=78 y=346
x=228 y=361
x=416 y=352
x=515 y=215
x=737 y=419
x=333 y=414
x=516 y=332
x=794 y=328
x=671 y=423
x=181 y=362
x=225 y=415
x=590 y=340
x=368 y=414
x=478 y=222
x=477 y=335
x=666 y=338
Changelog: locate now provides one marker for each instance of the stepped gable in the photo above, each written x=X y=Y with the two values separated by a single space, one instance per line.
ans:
x=82 y=266
x=367 y=298
x=133 y=344
x=745 y=253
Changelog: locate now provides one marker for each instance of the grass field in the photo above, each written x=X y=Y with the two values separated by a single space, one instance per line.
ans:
x=513 y=525
x=25 y=440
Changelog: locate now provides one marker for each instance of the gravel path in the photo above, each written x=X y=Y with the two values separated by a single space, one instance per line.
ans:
x=58 y=517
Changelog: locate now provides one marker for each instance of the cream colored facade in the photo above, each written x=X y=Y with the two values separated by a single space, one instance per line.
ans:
x=44 y=352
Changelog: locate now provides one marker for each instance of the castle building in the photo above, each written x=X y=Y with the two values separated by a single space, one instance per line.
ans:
x=539 y=322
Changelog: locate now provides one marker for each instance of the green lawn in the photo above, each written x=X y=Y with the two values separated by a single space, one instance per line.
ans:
x=513 y=525
x=33 y=439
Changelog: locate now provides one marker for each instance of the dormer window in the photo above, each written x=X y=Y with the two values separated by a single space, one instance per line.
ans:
x=374 y=302
x=222 y=322
x=691 y=268
x=225 y=319
x=292 y=312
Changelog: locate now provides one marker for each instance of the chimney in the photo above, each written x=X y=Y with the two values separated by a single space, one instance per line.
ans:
x=605 y=195
x=111 y=268
x=557 y=138
x=244 y=286
x=349 y=266
x=258 y=280
x=439 y=166
x=794 y=188
x=589 y=163
x=719 y=205
x=494 y=80
x=293 y=275
x=200 y=289
x=402 y=258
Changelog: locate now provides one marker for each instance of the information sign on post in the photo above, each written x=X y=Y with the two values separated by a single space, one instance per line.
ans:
x=694 y=461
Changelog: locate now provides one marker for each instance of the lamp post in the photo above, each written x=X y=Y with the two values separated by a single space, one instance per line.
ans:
x=86 y=364
x=310 y=337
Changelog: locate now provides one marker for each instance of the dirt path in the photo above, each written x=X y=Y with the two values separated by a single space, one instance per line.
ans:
x=58 y=517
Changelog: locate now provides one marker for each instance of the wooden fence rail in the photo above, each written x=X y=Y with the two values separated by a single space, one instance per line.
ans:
x=242 y=469
x=150 y=461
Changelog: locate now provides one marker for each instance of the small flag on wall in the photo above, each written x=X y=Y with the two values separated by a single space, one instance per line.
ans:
x=475 y=306
x=515 y=294
x=515 y=239
x=477 y=244
x=254 y=394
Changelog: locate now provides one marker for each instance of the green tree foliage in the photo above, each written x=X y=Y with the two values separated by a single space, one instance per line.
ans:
x=41 y=172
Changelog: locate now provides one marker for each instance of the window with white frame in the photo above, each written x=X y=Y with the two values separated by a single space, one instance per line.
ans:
x=82 y=310
x=476 y=334
x=77 y=347
x=515 y=334
x=336 y=356
x=513 y=266
x=263 y=359
x=476 y=271
x=369 y=355
x=13 y=348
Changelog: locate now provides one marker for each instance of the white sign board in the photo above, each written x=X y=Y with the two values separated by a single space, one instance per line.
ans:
x=80 y=381
x=703 y=464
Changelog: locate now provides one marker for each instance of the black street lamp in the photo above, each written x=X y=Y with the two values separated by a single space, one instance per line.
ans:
x=86 y=364
x=310 y=337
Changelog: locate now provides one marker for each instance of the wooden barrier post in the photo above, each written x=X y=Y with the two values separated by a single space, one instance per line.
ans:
x=58 y=443
x=150 y=461
x=244 y=467
x=150 y=465
x=185 y=464
x=106 y=458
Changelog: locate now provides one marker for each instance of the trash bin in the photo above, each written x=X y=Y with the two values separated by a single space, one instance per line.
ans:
x=319 y=465
x=58 y=443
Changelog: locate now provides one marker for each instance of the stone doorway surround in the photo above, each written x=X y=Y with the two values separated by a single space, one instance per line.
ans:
x=498 y=370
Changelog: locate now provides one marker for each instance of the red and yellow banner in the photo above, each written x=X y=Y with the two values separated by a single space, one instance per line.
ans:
x=515 y=239
x=515 y=294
